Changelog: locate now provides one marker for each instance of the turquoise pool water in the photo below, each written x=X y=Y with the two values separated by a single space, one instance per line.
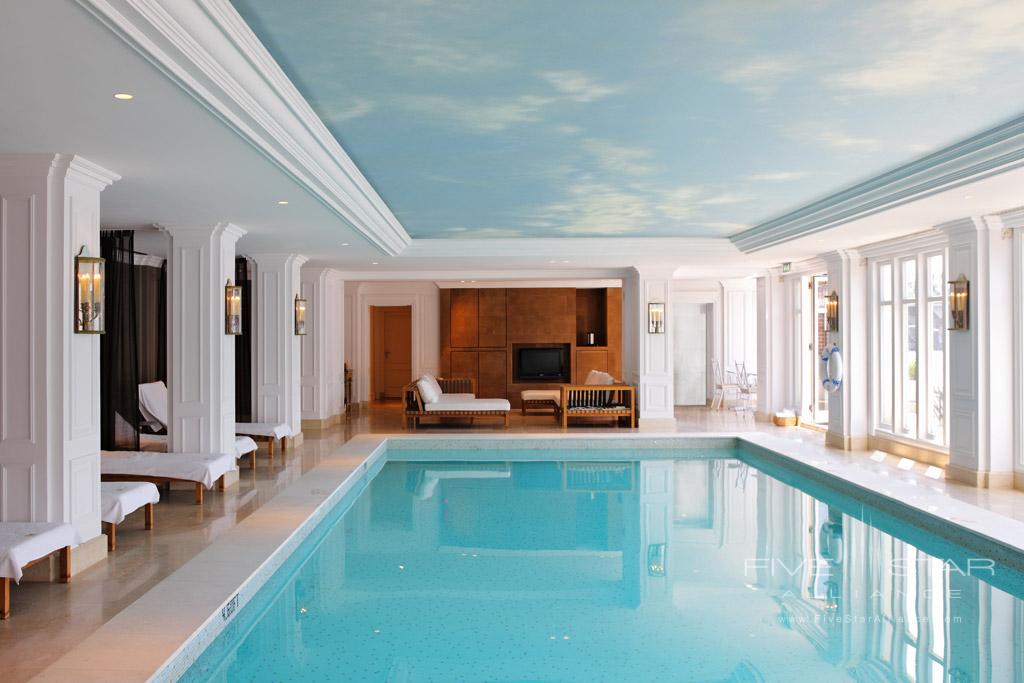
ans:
x=712 y=566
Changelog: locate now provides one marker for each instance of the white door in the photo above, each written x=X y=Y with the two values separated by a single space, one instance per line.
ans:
x=689 y=331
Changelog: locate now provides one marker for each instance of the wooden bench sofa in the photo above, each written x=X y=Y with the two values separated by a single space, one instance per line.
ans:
x=457 y=399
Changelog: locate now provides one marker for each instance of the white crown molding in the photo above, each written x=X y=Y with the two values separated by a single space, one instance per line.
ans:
x=529 y=284
x=208 y=50
x=991 y=152
x=652 y=250
x=919 y=241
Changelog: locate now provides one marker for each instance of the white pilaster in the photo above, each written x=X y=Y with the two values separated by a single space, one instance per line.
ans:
x=278 y=349
x=201 y=372
x=848 y=407
x=771 y=346
x=980 y=388
x=323 y=348
x=648 y=360
x=49 y=376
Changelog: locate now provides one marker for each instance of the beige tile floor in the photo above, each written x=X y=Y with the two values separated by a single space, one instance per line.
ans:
x=50 y=619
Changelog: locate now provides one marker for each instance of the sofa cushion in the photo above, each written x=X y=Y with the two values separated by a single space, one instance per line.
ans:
x=473 y=404
x=542 y=395
x=598 y=377
x=428 y=392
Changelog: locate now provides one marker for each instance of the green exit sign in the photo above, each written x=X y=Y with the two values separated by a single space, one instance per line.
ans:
x=786 y=267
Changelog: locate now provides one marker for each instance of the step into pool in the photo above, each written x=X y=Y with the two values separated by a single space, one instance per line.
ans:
x=695 y=565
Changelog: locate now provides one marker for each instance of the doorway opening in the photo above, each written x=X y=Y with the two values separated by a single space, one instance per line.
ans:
x=815 y=396
x=391 y=351
x=690 y=363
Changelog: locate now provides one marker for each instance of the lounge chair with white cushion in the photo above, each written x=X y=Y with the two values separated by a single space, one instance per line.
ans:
x=23 y=544
x=434 y=397
x=118 y=499
x=203 y=470
x=153 y=406
x=267 y=431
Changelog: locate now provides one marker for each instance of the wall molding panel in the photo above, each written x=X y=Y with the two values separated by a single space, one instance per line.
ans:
x=49 y=376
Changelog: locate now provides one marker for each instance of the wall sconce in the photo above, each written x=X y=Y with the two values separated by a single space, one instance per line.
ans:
x=832 y=312
x=232 y=308
x=300 y=315
x=656 y=559
x=88 y=293
x=959 y=303
x=656 y=318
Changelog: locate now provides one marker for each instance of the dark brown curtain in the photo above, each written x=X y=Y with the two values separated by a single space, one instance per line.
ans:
x=119 y=361
x=243 y=346
x=149 y=313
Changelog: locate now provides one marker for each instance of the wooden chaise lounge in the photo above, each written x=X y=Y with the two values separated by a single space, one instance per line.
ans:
x=450 y=398
x=202 y=470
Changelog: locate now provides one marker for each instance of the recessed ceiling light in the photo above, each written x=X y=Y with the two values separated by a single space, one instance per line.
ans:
x=375 y=263
x=462 y=281
x=564 y=261
x=968 y=196
x=125 y=96
x=552 y=261
x=345 y=244
x=282 y=202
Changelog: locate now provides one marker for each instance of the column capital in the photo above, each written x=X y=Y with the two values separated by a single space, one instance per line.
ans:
x=72 y=165
x=228 y=230
x=840 y=256
x=277 y=259
x=963 y=226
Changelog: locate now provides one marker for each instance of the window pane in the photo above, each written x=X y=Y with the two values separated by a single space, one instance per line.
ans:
x=885 y=282
x=936 y=276
x=909 y=370
x=885 y=352
x=936 y=397
x=910 y=589
x=910 y=279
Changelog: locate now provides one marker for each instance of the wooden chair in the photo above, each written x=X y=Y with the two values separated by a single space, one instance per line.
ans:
x=598 y=400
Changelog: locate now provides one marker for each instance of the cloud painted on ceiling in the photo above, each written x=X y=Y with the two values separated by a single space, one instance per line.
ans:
x=575 y=118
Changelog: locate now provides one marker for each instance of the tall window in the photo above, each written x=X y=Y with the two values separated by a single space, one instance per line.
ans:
x=910 y=379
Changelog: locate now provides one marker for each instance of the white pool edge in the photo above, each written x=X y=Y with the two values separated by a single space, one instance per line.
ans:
x=188 y=607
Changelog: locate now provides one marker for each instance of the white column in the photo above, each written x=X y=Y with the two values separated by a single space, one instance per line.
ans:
x=771 y=344
x=278 y=353
x=201 y=370
x=323 y=348
x=980 y=388
x=848 y=407
x=648 y=361
x=49 y=376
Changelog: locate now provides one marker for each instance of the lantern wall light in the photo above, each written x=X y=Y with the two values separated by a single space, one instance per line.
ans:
x=232 y=308
x=656 y=318
x=832 y=312
x=300 y=315
x=89 y=283
x=959 y=303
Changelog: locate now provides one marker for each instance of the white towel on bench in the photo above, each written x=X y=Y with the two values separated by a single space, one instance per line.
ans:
x=23 y=542
x=197 y=467
x=278 y=431
x=118 y=499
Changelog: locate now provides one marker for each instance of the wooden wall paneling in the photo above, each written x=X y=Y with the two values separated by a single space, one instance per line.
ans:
x=466 y=364
x=492 y=382
x=588 y=359
x=542 y=315
x=492 y=318
x=445 y=362
x=465 y=318
x=614 y=313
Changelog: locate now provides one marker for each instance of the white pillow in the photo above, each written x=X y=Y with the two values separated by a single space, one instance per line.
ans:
x=427 y=391
x=434 y=383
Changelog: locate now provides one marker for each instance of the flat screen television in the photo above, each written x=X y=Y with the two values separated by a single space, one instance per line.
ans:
x=540 y=363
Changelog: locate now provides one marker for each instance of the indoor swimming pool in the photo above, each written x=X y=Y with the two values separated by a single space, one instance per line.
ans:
x=670 y=565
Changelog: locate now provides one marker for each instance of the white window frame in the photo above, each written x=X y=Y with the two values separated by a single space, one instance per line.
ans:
x=895 y=253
